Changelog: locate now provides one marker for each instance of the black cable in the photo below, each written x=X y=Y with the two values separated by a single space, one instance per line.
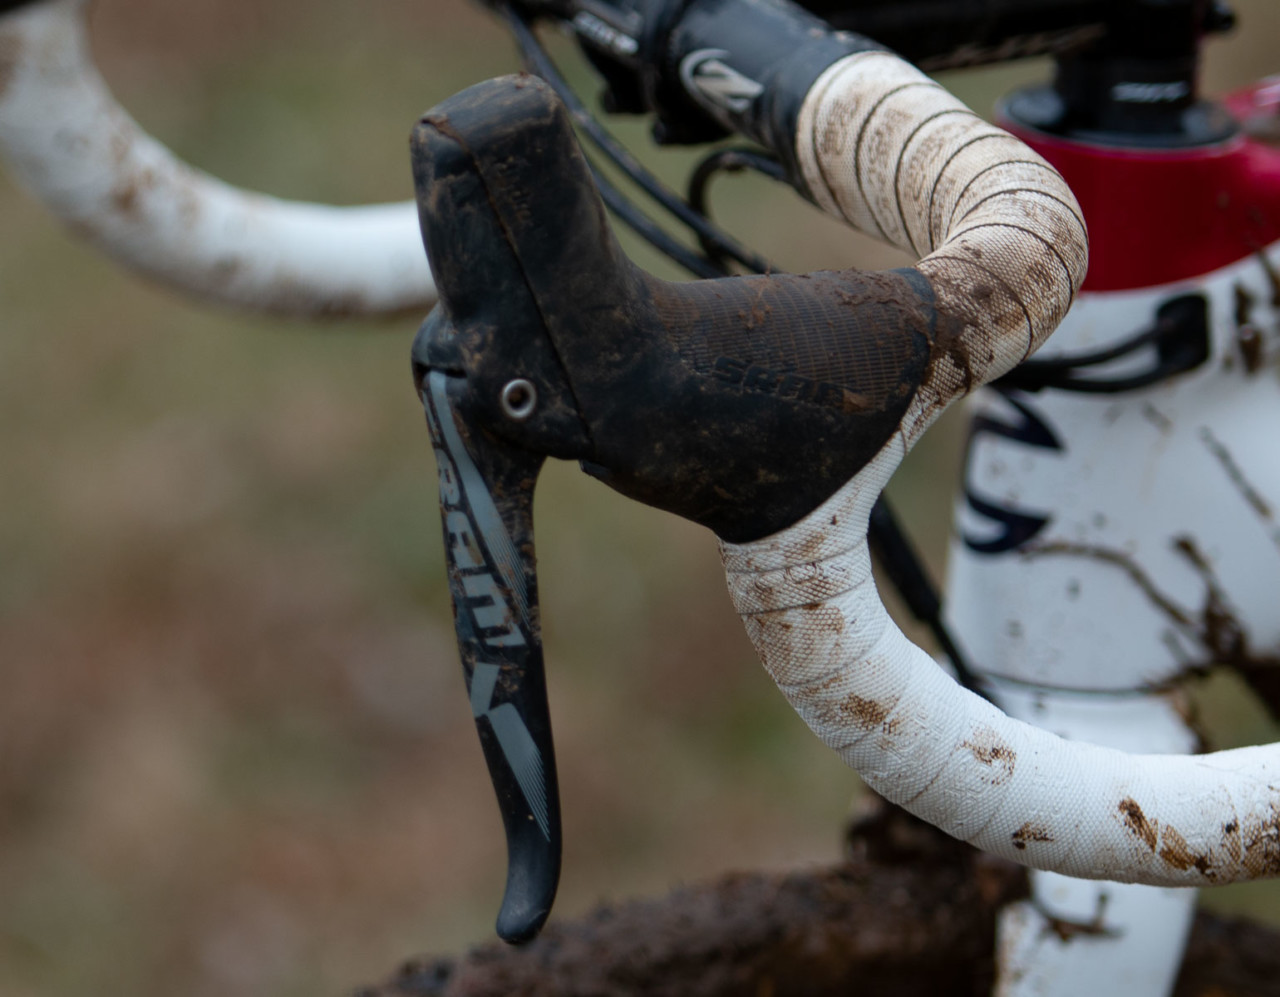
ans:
x=903 y=565
x=729 y=161
x=1180 y=338
x=650 y=231
x=541 y=64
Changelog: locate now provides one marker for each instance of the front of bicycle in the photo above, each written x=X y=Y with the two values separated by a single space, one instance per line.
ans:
x=773 y=409
x=1111 y=540
x=885 y=152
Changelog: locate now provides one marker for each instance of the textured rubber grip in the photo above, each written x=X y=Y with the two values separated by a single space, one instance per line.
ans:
x=885 y=148
x=66 y=140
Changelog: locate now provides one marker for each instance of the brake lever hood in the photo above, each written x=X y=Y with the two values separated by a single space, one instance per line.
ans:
x=740 y=403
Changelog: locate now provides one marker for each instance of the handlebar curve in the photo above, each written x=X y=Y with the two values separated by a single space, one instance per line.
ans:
x=68 y=142
x=883 y=148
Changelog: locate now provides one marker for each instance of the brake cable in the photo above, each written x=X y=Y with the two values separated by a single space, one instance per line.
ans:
x=732 y=160
x=539 y=62
x=890 y=543
x=1179 y=339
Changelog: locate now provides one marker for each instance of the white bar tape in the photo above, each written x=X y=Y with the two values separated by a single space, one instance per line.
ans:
x=887 y=149
x=811 y=608
x=893 y=153
x=68 y=142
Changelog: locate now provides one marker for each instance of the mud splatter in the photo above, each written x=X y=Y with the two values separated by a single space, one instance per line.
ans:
x=1157 y=418
x=1220 y=631
x=1096 y=927
x=1244 y=302
x=866 y=713
x=1121 y=560
x=1215 y=625
x=124 y=199
x=1261 y=841
x=1250 y=845
x=1273 y=277
x=1177 y=853
x=1030 y=831
x=1249 y=343
x=823 y=618
x=1247 y=491
x=1136 y=822
x=989 y=748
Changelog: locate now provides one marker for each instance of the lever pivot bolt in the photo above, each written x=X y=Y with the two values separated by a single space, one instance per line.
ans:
x=519 y=398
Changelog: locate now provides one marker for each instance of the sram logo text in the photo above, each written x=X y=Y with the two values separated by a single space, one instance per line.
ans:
x=785 y=384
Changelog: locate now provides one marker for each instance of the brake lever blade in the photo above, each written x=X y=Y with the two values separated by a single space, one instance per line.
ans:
x=486 y=504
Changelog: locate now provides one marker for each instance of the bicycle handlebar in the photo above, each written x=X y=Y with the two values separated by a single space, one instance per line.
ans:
x=68 y=141
x=710 y=400
x=744 y=403
x=809 y=602
x=806 y=594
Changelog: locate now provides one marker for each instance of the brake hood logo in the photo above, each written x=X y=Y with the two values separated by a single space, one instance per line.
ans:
x=715 y=85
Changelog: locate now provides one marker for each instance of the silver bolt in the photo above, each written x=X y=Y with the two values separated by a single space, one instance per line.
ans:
x=519 y=398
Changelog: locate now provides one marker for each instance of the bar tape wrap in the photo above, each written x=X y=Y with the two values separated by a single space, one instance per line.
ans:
x=1004 y=247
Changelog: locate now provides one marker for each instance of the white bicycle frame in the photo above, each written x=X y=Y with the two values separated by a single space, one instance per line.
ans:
x=1157 y=503
x=65 y=139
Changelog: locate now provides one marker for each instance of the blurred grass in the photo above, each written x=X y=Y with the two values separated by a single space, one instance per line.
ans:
x=235 y=755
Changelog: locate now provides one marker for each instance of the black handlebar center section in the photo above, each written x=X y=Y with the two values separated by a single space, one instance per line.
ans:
x=741 y=403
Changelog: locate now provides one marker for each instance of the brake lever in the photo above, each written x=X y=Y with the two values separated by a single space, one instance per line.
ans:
x=486 y=501
x=549 y=342
x=486 y=326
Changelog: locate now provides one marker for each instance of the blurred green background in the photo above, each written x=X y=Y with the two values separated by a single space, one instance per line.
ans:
x=235 y=751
